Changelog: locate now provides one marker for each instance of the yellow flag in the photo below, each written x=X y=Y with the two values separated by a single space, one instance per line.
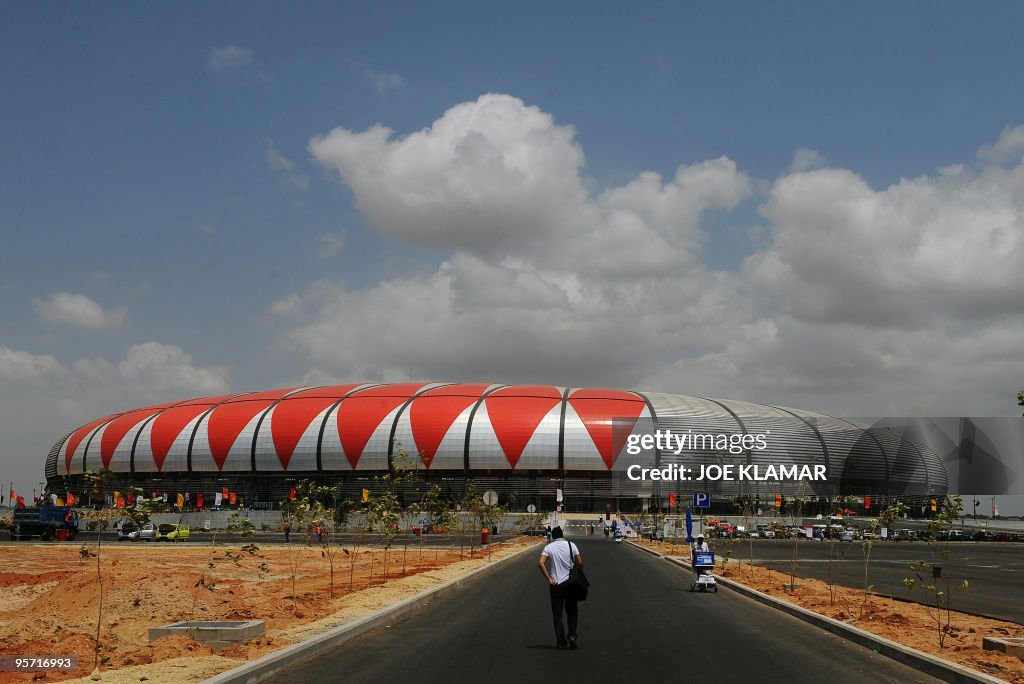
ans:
x=366 y=494
x=60 y=501
x=181 y=499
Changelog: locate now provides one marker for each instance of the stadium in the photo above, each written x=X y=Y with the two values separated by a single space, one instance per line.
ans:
x=534 y=445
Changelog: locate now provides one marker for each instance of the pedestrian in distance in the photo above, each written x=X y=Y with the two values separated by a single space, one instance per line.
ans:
x=698 y=546
x=561 y=555
x=287 y=530
x=319 y=534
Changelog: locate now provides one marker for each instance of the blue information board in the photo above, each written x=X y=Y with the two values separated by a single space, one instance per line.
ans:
x=704 y=559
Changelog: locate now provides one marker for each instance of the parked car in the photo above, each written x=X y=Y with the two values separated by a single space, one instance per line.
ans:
x=171 y=532
x=128 y=532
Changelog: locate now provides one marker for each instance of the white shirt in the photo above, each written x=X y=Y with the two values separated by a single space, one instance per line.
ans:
x=562 y=556
x=702 y=546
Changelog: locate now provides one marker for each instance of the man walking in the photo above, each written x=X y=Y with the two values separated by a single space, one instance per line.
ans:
x=562 y=555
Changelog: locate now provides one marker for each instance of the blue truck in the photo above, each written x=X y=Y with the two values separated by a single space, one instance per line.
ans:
x=45 y=522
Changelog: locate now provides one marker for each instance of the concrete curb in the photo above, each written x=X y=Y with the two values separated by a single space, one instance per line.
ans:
x=919 y=660
x=263 y=668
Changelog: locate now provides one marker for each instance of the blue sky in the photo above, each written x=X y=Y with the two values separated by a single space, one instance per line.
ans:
x=179 y=219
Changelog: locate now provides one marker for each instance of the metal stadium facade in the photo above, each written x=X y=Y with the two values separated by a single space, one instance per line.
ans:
x=528 y=443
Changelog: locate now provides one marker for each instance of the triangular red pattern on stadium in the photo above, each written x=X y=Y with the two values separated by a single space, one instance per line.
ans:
x=119 y=427
x=515 y=413
x=597 y=409
x=76 y=438
x=226 y=422
x=166 y=428
x=433 y=412
x=290 y=421
x=360 y=415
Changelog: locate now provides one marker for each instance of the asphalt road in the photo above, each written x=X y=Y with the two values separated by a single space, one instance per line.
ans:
x=641 y=621
x=994 y=570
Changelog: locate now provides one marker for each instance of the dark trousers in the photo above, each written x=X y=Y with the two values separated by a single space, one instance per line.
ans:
x=559 y=601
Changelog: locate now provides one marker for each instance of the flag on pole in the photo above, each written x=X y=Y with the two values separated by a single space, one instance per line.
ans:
x=218 y=499
x=291 y=494
x=71 y=499
x=20 y=501
x=180 y=501
x=224 y=493
x=60 y=501
x=199 y=500
x=867 y=503
x=366 y=494
x=234 y=498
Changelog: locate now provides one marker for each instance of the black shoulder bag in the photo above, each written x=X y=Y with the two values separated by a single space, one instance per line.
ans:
x=578 y=586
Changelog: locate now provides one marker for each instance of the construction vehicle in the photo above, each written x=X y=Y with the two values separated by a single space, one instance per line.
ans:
x=45 y=522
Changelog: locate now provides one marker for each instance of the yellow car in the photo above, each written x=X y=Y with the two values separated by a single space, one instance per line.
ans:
x=170 y=532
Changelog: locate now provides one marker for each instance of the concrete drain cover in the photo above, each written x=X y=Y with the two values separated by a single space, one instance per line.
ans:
x=1009 y=645
x=216 y=634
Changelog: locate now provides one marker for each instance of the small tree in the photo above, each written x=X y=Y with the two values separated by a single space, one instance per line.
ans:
x=938 y=598
x=439 y=509
x=328 y=511
x=100 y=519
x=796 y=509
x=384 y=510
x=886 y=519
x=295 y=513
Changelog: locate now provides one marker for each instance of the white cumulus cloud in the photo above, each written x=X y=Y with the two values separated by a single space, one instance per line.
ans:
x=78 y=310
x=854 y=299
x=500 y=178
x=20 y=365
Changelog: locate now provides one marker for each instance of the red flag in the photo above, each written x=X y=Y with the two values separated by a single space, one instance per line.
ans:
x=224 y=493
x=71 y=499
x=291 y=494
x=671 y=499
x=14 y=494
x=131 y=499
x=867 y=502
x=233 y=498
x=20 y=502
x=199 y=499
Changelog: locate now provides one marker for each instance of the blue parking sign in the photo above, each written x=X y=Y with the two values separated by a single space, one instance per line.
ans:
x=702 y=499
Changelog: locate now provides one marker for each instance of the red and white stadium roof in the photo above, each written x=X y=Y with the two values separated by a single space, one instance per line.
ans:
x=352 y=427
